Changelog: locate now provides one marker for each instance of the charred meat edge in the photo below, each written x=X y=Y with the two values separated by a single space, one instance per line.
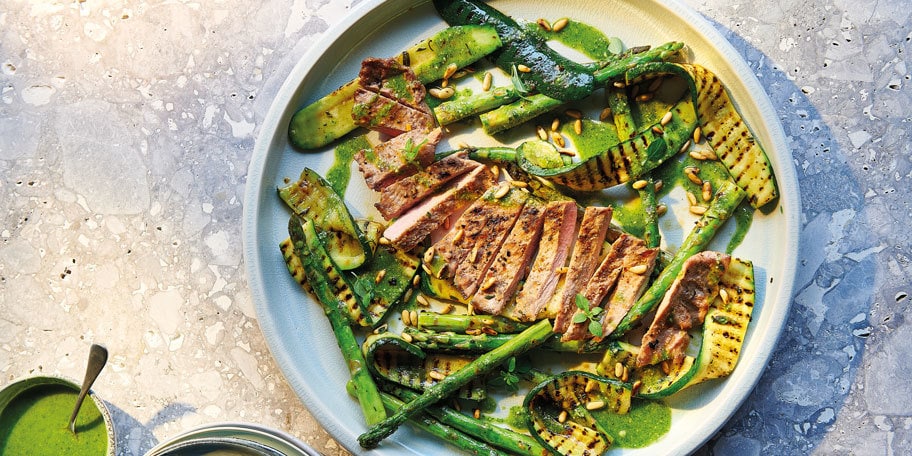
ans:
x=405 y=193
x=388 y=108
x=486 y=222
x=388 y=161
x=683 y=307
x=413 y=226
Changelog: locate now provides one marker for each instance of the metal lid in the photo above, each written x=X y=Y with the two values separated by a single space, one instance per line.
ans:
x=233 y=439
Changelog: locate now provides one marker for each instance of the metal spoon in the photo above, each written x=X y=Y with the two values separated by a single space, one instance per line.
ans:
x=98 y=356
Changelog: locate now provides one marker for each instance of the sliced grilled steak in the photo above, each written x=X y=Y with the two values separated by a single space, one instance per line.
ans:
x=398 y=157
x=683 y=307
x=631 y=285
x=405 y=193
x=414 y=225
x=557 y=235
x=585 y=258
x=468 y=249
x=390 y=99
x=618 y=282
x=512 y=261
x=391 y=79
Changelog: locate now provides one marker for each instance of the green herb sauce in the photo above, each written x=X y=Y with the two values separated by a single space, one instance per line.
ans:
x=35 y=423
x=630 y=215
x=645 y=423
x=516 y=418
x=339 y=173
x=584 y=38
x=744 y=216
x=595 y=139
x=400 y=88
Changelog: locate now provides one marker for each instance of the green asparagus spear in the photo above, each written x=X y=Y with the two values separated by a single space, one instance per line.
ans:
x=528 y=339
x=497 y=436
x=433 y=321
x=480 y=343
x=727 y=199
x=518 y=112
x=305 y=239
x=429 y=424
x=462 y=107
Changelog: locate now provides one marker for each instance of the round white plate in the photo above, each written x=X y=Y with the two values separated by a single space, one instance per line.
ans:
x=295 y=328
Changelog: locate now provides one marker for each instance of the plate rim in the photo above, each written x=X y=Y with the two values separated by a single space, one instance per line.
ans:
x=784 y=171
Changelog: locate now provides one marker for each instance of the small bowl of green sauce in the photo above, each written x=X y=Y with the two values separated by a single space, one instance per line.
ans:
x=34 y=414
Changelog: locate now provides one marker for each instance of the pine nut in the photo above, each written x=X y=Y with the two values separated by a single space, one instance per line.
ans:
x=595 y=405
x=559 y=24
x=544 y=24
x=406 y=318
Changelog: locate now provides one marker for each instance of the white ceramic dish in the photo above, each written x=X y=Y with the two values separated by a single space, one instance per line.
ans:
x=296 y=330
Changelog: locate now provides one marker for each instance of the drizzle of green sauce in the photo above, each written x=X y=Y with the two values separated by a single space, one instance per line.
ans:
x=339 y=173
x=744 y=216
x=400 y=88
x=595 y=139
x=629 y=215
x=35 y=423
x=516 y=418
x=588 y=40
x=645 y=423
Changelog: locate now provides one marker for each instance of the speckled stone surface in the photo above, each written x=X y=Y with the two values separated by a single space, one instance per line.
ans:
x=126 y=129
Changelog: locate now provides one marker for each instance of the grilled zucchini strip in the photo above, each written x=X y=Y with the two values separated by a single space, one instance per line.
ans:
x=309 y=249
x=560 y=411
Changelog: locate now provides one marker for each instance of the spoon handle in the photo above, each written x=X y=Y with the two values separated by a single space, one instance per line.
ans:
x=98 y=357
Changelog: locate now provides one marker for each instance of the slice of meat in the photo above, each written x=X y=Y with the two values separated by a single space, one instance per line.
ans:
x=415 y=224
x=631 y=285
x=586 y=254
x=386 y=115
x=398 y=157
x=468 y=249
x=405 y=193
x=557 y=235
x=390 y=99
x=683 y=307
x=512 y=261
x=392 y=79
x=616 y=285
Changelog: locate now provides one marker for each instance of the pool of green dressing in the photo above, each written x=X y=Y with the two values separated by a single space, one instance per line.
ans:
x=644 y=424
x=35 y=423
x=339 y=173
x=584 y=38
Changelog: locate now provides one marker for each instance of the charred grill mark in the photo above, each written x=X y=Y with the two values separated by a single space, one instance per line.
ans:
x=605 y=170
